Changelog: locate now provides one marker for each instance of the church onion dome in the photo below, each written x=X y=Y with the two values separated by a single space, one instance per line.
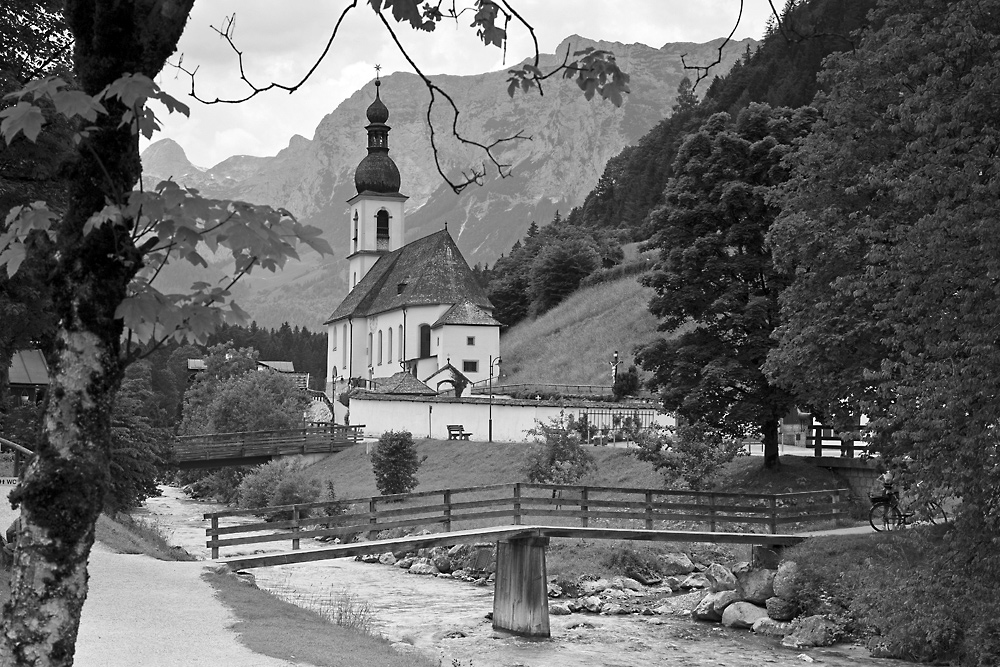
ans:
x=377 y=111
x=377 y=172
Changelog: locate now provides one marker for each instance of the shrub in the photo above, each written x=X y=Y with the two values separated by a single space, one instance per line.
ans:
x=277 y=483
x=395 y=463
x=295 y=488
x=626 y=384
x=915 y=595
x=626 y=560
x=257 y=488
x=691 y=454
x=561 y=458
x=218 y=484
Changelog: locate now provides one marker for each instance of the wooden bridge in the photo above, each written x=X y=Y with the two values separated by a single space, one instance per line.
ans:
x=520 y=602
x=252 y=447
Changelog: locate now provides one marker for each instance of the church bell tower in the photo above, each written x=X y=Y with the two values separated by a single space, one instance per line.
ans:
x=376 y=212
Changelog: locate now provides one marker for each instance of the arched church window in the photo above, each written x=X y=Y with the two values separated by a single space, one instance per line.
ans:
x=425 y=341
x=382 y=230
x=388 y=346
x=379 y=347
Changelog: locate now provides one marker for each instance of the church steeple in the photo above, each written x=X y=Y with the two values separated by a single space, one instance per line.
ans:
x=376 y=223
x=377 y=172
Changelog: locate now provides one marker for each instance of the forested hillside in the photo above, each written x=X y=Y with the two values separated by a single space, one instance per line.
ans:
x=551 y=261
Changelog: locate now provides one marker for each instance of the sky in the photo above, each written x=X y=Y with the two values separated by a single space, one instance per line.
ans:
x=280 y=41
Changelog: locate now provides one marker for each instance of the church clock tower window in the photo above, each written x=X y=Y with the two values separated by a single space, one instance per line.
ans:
x=382 y=230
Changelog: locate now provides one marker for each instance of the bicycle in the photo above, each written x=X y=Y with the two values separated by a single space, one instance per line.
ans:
x=887 y=514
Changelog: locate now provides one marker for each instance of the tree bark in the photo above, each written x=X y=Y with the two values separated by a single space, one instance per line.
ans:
x=62 y=492
x=770 y=434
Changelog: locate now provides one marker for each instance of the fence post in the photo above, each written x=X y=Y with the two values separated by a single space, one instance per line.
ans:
x=649 y=510
x=517 y=504
x=447 y=510
x=836 y=509
x=774 y=515
x=583 y=506
x=295 y=526
x=215 y=537
x=373 y=519
x=711 y=512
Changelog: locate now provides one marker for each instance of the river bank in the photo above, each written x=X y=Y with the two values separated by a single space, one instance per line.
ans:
x=447 y=619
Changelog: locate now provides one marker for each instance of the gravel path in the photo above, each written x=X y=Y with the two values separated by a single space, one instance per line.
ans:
x=142 y=612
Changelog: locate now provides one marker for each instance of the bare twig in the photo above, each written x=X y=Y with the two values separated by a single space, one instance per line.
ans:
x=703 y=70
x=226 y=33
x=474 y=175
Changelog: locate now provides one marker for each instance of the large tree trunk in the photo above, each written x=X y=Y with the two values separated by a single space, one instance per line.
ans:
x=770 y=428
x=63 y=489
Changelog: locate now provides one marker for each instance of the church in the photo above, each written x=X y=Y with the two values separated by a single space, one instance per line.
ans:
x=413 y=308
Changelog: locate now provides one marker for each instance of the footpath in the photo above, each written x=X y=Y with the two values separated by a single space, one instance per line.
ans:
x=142 y=612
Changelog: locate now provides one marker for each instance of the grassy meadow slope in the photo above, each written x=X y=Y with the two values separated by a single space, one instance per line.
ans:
x=454 y=464
x=574 y=342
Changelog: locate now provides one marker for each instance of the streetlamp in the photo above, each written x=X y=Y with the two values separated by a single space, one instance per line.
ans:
x=493 y=362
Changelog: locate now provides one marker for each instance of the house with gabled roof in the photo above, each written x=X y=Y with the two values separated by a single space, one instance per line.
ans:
x=413 y=308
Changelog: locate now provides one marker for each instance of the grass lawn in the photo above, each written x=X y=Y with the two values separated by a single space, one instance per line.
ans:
x=286 y=631
x=455 y=464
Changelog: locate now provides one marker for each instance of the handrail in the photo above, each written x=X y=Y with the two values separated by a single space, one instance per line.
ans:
x=14 y=445
x=768 y=510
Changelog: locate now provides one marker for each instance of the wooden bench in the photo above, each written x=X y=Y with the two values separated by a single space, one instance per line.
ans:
x=457 y=432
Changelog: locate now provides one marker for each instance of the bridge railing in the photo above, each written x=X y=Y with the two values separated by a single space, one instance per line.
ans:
x=310 y=440
x=19 y=455
x=476 y=507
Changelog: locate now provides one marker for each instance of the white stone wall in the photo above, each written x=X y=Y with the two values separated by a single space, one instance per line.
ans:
x=429 y=419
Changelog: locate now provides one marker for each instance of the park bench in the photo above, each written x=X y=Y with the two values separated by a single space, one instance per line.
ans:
x=457 y=432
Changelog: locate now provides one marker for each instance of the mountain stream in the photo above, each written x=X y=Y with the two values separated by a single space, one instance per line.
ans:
x=446 y=619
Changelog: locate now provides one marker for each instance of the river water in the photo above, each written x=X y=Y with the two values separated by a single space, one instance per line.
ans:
x=446 y=619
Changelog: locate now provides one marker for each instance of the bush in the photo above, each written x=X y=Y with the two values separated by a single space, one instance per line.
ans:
x=561 y=458
x=631 y=563
x=626 y=384
x=277 y=483
x=912 y=595
x=218 y=484
x=395 y=463
x=692 y=453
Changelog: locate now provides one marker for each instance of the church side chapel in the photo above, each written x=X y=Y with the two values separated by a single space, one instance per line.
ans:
x=413 y=309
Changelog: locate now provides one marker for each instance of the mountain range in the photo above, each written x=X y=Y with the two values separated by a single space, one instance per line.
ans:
x=571 y=140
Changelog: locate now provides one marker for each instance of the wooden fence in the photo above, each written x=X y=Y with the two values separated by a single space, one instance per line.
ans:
x=587 y=506
x=823 y=439
x=312 y=440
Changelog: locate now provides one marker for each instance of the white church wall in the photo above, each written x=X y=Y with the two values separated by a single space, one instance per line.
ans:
x=429 y=419
x=455 y=346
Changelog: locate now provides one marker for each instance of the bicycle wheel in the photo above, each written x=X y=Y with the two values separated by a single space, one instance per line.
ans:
x=884 y=516
x=936 y=513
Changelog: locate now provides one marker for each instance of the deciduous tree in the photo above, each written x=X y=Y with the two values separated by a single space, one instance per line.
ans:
x=891 y=227
x=108 y=245
x=716 y=285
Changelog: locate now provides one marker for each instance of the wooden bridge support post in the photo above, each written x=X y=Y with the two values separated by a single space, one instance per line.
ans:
x=583 y=507
x=373 y=519
x=520 y=598
x=649 y=510
x=295 y=527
